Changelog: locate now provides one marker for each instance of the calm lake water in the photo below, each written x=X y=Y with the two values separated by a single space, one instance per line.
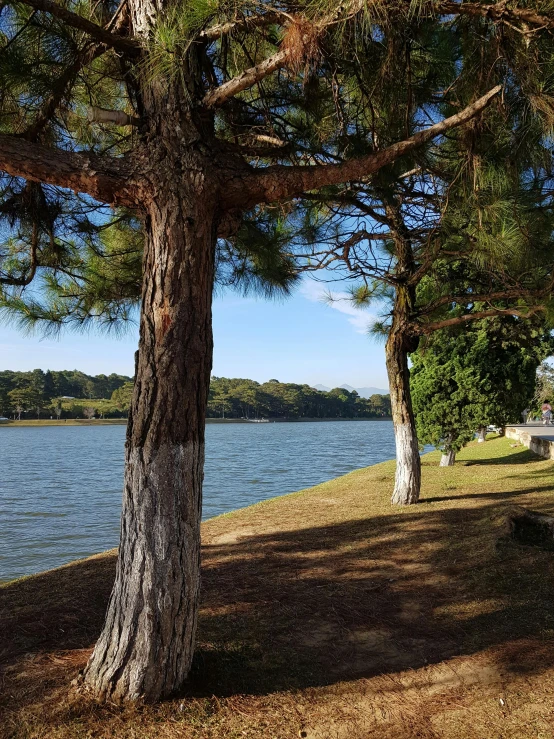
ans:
x=60 y=487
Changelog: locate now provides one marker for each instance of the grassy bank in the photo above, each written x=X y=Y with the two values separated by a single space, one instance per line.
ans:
x=120 y=421
x=65 y=422
x=326 y=614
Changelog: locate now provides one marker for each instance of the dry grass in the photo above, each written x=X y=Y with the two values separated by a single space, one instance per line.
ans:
x=326 y=614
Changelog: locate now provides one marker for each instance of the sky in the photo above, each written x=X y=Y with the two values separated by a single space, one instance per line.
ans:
x=300 y=339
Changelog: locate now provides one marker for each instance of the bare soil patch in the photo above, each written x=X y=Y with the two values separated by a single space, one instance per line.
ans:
x=325 y=614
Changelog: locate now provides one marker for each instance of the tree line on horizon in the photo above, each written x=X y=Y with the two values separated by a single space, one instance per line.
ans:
x=74 y=394
x=238 y=398
x=40 y=392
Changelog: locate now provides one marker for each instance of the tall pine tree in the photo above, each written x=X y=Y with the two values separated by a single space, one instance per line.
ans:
x=196 y=125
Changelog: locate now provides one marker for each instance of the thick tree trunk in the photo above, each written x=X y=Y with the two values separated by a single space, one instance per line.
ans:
x=407 y=482
x=146 y=646
x=482 y=433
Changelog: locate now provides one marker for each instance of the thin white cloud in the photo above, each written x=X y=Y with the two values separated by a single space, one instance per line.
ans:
x=361 y=320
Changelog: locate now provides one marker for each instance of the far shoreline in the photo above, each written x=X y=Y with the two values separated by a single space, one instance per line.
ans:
x=123 y=421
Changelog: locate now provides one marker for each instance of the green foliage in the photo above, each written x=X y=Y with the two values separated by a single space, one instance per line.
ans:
x=45 y=391
x=237 y=398
x=360 y=78
x=122 y=396
x=110 y=397
x=544 y=387
x=465 y=379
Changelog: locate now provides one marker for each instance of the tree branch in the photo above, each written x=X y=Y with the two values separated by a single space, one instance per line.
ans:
x=498 y=12
x=246 y=79
x=103 y=178
x=29 y=276
x=428 y=328
x=125 y=45
x=277 y=183
x=118 y=117
x=61 y=86
x=243 y=24
x=516 y=293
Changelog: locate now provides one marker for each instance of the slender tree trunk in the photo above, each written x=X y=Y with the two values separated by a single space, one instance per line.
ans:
x=146 y=646
x=449 y=455
x=448 y=458
x=407 y=482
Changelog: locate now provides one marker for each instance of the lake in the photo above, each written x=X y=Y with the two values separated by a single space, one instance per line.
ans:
x=60 y=487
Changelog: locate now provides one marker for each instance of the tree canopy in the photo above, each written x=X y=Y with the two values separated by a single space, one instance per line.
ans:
x=484 y=375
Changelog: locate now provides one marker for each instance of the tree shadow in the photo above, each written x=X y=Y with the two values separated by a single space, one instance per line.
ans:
x=525 y=456
x=323 y=604
x=500 y=496
x=327 y=604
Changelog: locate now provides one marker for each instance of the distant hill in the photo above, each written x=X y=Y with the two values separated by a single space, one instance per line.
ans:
x=364 y=392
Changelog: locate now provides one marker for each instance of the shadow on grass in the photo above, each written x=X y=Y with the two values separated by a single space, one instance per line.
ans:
x=506 y=496
x=523 y=457
x=314 y=606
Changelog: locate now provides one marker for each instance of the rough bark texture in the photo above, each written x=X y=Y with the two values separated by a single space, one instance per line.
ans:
x=146 y=646
x=407 y=481
x=105 y=178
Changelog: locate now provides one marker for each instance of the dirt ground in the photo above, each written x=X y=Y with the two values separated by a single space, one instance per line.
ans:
x=326 y=614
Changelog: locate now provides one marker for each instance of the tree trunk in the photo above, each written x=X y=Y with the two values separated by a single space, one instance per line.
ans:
x=448 y=458
x=449 y=455
x=407 y=482
x=146 y=646
x=482 y=433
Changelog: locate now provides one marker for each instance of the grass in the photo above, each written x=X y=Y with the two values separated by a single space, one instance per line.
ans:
x=64 y=422
x=326 y=614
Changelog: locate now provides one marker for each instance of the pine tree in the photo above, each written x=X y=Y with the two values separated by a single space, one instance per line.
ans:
x=195 y=126
x=464 y=234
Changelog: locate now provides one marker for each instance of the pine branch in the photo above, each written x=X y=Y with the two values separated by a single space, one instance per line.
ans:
x=499 y=12
x=243 y=24
x=118 y=117
x=28 y=277
x=278 y=183
x=104 y=178
x=516 y=293
x=125 y=45
x=61 y=86
x=428 y=328
x=246 y=79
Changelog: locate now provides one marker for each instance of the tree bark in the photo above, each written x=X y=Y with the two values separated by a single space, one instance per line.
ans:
x=407 y=481
x=482 y=433
x=146 y=646
x=448 y=458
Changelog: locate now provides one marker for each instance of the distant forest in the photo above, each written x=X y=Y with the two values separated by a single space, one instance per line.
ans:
x=66 y=394
x=73 y=394
x=248 y=399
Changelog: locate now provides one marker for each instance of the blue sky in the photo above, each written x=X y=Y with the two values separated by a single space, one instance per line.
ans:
x=300 y=339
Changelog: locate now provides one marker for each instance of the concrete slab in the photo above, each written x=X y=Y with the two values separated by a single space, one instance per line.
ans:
x=535 y=436
x=535 y=429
